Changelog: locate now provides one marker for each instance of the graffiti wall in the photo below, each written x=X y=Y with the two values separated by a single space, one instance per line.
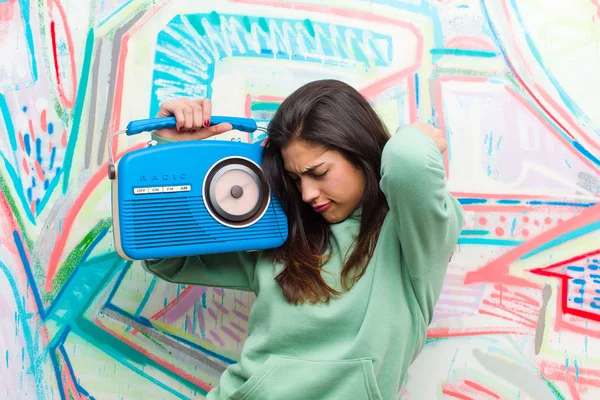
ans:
x=513 y=83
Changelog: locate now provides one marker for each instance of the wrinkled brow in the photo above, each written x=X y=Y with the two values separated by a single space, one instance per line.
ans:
x=308 y=169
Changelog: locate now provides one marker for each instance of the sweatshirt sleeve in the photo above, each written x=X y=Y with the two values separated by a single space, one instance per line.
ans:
x=226 y=270
x=427 y=218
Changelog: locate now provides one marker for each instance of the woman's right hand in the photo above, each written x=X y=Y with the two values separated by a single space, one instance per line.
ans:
x=193 y=120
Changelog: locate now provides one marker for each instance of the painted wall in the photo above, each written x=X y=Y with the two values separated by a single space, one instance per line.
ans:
x=514 y=83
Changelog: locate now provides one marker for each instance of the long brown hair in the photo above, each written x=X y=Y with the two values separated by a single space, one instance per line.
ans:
x=336 y=116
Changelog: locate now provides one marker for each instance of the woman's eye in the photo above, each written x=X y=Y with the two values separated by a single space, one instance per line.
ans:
x=320 y=175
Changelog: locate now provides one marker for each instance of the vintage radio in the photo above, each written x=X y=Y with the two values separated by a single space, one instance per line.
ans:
x=193 y=197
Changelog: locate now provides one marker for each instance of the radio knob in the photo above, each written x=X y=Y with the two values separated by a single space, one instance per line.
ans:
x=237 y=191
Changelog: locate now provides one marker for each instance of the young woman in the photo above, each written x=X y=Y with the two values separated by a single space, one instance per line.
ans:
x=342 y=308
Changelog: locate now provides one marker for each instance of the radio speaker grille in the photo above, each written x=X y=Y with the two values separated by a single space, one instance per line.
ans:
x=144 y=222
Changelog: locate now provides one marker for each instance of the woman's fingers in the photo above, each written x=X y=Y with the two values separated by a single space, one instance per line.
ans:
x=206 y=112
x=198 y=115
x=434 y=133
x=168 y=109
x=188 y=123
x=193 y=120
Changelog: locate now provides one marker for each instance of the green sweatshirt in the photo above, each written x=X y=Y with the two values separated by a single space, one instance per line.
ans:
x=360 y=345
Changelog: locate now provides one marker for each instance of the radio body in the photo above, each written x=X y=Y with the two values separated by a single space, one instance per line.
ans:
x=193 y=198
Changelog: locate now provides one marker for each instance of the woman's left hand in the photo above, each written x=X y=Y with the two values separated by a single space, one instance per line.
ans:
x=434 y=133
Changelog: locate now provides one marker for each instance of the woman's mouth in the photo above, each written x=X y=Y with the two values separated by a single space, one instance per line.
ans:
x=322 y=207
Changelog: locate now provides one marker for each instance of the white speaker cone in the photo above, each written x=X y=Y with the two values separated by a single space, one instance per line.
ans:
x=237 y=192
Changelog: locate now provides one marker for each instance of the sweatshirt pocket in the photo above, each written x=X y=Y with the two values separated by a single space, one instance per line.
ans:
x=297 y=379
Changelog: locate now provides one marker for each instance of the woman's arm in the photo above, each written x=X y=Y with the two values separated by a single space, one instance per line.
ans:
x=428 y=219
x=227 y=270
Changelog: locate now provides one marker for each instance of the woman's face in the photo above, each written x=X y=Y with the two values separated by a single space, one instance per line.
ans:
x=327 y=181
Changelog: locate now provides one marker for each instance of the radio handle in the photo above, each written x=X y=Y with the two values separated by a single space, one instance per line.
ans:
x=144 y=125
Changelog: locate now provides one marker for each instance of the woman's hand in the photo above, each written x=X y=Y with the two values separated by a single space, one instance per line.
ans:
x=434 y=133
x=193 y=120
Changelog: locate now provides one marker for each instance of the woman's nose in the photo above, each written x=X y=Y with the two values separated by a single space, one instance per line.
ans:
x=309 y=192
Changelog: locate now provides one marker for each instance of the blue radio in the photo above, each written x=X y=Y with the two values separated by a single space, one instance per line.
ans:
x=194 y=197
